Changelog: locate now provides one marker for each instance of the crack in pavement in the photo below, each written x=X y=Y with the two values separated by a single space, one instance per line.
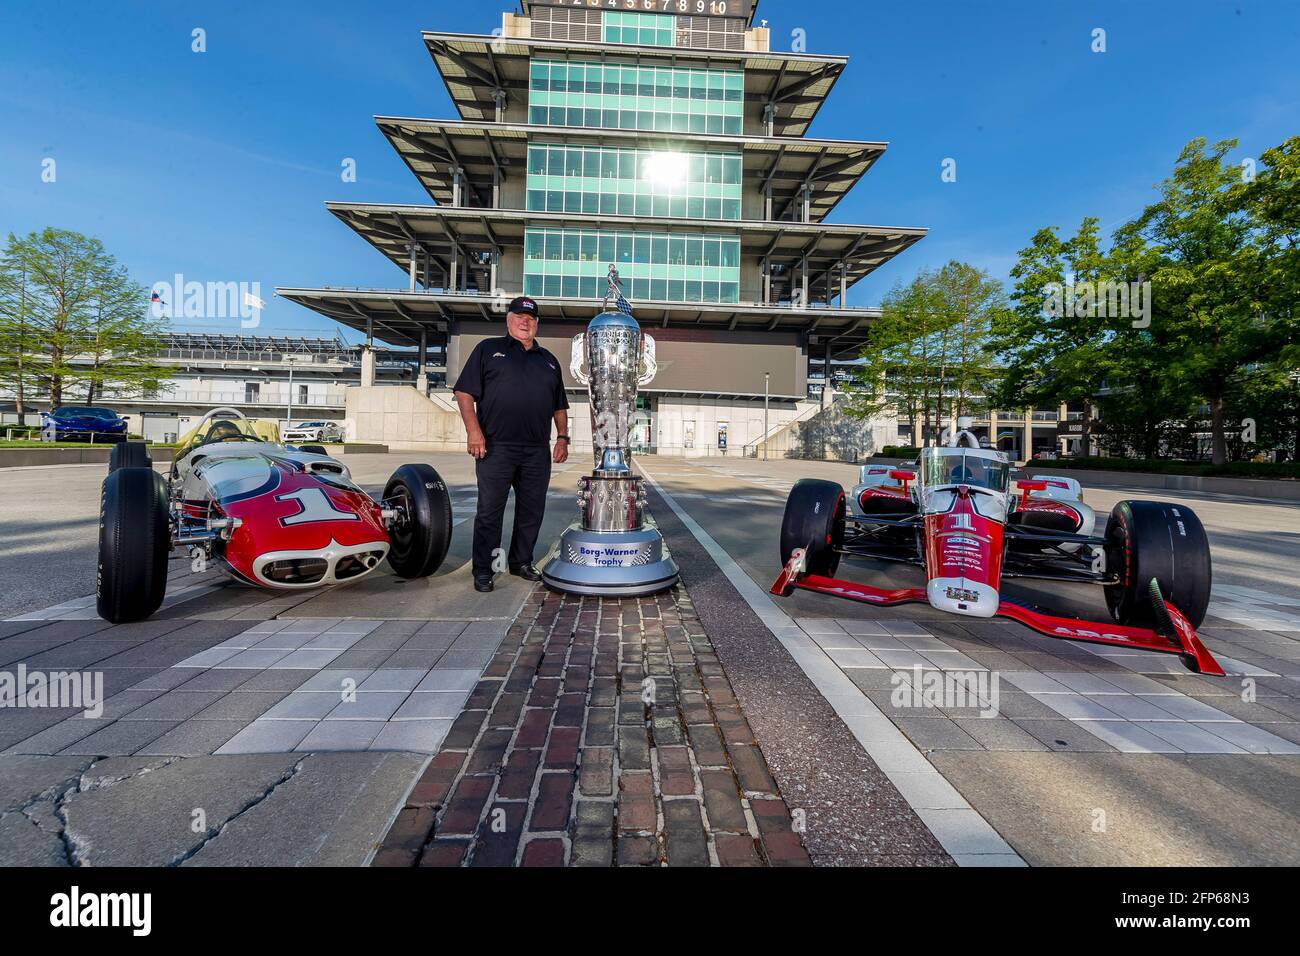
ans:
x=74 y=849
x=212 y=833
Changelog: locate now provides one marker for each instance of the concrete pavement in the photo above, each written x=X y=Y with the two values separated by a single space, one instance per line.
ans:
x=244 y=726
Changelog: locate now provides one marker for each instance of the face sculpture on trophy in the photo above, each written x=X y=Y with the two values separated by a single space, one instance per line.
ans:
x=615 y=548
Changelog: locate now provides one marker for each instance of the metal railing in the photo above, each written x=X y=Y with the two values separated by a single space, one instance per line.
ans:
x=236 y=399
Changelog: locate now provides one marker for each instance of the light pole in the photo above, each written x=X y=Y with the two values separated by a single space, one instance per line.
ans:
x=1294 y=376
x=767 y=378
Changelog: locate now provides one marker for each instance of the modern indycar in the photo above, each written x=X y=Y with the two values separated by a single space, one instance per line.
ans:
x=270 y=514
x=955 y=517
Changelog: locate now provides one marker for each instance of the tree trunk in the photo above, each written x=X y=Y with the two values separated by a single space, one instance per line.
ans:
x=1085 y=434
x=21 y=396
x=1218 y=445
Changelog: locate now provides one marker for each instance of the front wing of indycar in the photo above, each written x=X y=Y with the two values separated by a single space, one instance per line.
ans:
x=1175 y=635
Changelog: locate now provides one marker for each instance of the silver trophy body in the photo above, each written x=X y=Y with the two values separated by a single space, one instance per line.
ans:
x=615 y=547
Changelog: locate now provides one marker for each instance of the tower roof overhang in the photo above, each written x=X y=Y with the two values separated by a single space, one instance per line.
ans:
x=399 y=317
x=475 y=66
x=483 y=150
x=437 y=231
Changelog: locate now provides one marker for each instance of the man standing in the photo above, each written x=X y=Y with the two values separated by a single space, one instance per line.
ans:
x=518 y=390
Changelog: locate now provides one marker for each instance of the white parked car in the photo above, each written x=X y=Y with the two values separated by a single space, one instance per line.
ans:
x=321 y=431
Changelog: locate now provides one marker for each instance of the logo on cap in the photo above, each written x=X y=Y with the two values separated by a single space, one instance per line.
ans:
x=523 y=304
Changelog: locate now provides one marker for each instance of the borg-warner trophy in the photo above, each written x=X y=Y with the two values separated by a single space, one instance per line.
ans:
x=615 y=547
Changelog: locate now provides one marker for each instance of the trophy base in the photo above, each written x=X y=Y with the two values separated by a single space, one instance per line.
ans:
x=618 y=563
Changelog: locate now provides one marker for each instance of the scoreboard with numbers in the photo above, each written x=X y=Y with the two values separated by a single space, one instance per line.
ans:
x=737 y=9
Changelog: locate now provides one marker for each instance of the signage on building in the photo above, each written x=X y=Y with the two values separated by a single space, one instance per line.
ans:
x=739 y=9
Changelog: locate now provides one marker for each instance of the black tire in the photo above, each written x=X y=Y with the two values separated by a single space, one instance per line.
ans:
x=134 y=539
x=1148 y=540
x=814 y=521
x=419 y=541
x=313 y=449
x=129 y=454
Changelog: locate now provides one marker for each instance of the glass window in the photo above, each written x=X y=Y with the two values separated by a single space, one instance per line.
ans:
x=649 y=262
x=712 y=255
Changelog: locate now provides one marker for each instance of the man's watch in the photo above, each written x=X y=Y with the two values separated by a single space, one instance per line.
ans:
x=561 y=437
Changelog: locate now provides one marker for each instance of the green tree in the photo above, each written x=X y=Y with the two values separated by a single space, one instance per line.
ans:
x=1203 y=280
x=1054 y=342
x=72 y=316
x=926 y=357
x=1271 y=201
x=17 y=342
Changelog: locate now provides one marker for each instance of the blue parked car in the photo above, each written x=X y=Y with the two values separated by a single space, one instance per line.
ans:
x=84 y=423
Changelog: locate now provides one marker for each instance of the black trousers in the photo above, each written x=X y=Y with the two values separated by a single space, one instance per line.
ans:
x=526 y=469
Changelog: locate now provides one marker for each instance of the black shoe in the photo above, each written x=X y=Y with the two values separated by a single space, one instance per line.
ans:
x=527 y=572
x=482 y=582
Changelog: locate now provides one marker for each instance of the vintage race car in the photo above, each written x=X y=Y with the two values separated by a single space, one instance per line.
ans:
x=956 y=517
x=271 y=515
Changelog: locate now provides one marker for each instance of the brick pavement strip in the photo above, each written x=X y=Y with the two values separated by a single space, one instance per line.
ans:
x=603 y=732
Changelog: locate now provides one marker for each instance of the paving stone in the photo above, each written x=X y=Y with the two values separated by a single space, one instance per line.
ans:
x=1064 y=735
x=194 y=738
x=268 y=736
x=707 y=745
x=636 y=803
x=340 y=735
x=498 y=835
x=638 y=851
x=684 y=841
x=442 y=852
x=722 y=801
x=633 y=748
x=242 y=707
x=121 y=737
x=463 y=810
x=543 y=852
x=554 y=796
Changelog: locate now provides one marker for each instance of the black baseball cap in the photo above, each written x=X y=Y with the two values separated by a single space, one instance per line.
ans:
x=525 y=305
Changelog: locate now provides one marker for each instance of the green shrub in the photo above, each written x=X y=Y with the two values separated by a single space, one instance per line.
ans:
x=899 y=451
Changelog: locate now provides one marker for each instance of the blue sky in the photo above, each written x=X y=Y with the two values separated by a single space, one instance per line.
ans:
x=217 y=165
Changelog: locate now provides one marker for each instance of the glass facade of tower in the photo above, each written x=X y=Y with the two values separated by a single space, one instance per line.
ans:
x=633 y=182
x=600 y=180
x=629 y=96
x=690 y=267
x=647 y=29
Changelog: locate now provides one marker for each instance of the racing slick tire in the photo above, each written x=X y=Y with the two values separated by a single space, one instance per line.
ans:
x=129 y=454
x=814 y=521
x=418 y=542
x=134 y=539
x=1148 y=540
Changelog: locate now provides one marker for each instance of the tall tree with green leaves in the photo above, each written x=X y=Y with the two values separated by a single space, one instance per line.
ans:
x=78 y=316
x=1271 y=201
x=1054 y=341
x=17 y=342
x=1203 y=281
x=927 y=356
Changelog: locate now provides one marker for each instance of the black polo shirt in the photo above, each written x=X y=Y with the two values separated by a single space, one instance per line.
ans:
x=517 y=390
